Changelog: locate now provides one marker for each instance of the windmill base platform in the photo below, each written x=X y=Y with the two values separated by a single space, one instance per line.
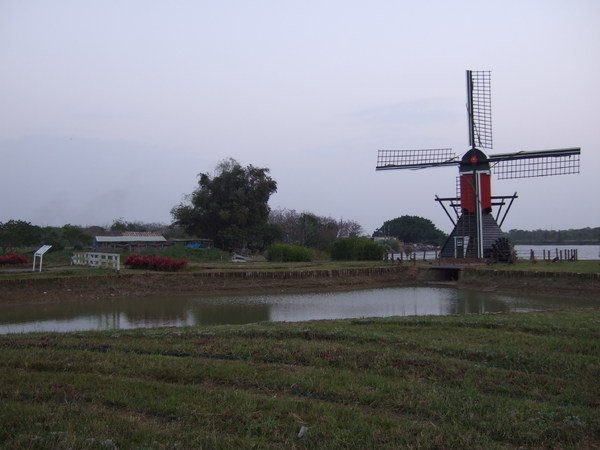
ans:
x=462 y=241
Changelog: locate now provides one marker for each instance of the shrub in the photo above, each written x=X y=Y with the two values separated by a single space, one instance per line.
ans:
x=154 y=262
x=12 y=258
x=356 y=249
x=289 y=253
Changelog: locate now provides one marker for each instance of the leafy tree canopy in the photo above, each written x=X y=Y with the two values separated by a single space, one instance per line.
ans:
x=412 y=229
x=21 y=234
x=230 y=207
x=18 y=233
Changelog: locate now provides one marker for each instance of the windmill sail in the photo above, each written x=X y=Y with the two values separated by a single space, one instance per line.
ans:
x=539 y=163
x=415 y=159
x=479 y=108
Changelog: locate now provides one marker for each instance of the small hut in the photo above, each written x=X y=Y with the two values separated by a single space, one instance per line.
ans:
x=131 y=241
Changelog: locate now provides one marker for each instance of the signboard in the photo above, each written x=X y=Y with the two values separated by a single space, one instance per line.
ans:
x=40 y=253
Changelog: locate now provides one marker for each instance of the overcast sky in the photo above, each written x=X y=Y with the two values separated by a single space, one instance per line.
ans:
x=110 y=109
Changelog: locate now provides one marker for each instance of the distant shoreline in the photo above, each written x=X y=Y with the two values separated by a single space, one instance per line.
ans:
x=561 y=244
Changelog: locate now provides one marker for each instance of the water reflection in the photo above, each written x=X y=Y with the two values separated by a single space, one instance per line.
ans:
x=186 y=311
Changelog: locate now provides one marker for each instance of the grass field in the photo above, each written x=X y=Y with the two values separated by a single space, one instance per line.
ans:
x=494 y=381
x=583 y=266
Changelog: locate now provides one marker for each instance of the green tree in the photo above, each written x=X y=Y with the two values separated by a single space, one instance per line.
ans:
x=55 y=237
x=121 y=225
x=75 y=236
x=412 y=229
x=230 y=207
x=18 y=233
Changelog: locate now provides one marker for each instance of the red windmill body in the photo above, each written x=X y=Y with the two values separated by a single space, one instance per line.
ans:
x=473 y=172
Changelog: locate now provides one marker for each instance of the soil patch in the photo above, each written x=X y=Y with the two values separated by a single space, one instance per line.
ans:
x=57 y=289
x=570 y=284
x=78 y=287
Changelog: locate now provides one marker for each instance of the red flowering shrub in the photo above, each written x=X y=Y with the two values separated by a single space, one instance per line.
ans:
x=12 y=258
x=153 y=262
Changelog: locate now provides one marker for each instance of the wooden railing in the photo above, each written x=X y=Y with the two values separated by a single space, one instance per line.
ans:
x=111 y=260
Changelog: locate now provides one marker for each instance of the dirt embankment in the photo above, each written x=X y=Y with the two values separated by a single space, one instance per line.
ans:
x=542 y=283
x=65 y=288
x=121 y=285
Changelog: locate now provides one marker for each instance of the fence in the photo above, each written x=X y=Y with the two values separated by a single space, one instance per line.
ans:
x=585 y=252
x=425 y=255
x=111 y=260
x=566 y=254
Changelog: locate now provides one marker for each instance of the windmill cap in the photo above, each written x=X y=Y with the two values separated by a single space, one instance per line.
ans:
x=474 y=159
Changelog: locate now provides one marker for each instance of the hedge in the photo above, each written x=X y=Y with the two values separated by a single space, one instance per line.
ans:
x=289 y=253
x=356 y=249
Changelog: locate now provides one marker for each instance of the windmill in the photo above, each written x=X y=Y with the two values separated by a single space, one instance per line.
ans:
x=477 y=232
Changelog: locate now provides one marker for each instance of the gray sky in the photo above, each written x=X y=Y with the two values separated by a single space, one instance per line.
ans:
x=110 y=109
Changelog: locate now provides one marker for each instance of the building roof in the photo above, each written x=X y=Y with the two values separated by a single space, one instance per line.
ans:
x=129 y=239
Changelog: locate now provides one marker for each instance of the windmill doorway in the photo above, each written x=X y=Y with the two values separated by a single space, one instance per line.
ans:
x=461 y=244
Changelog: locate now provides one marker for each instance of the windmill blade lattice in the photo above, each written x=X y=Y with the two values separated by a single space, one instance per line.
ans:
x=415 y=159
x=479 y=98
x=542 y=163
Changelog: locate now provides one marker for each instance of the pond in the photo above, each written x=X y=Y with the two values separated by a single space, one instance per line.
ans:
x=159 y=311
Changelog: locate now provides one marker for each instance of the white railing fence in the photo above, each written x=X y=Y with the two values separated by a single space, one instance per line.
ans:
x=111 y=260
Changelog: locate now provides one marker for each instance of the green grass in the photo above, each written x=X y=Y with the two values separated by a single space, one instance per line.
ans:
x=192 y=255
x=501 y=381
x=584 y=266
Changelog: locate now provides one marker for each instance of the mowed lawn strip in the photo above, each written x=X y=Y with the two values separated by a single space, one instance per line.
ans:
x=492 y=381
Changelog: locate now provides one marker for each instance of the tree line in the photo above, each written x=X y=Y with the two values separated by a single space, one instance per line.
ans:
x=20 y=233
x=231 y=207
x=580 y=236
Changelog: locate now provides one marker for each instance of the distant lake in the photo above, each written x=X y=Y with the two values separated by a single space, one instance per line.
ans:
x=176 y=311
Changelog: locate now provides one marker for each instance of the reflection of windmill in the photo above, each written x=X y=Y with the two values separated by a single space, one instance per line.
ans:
x=476 y=231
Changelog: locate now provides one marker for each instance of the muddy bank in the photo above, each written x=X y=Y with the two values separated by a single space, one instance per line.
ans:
x=73 y=287
x=58 y=288
x=542 y=283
